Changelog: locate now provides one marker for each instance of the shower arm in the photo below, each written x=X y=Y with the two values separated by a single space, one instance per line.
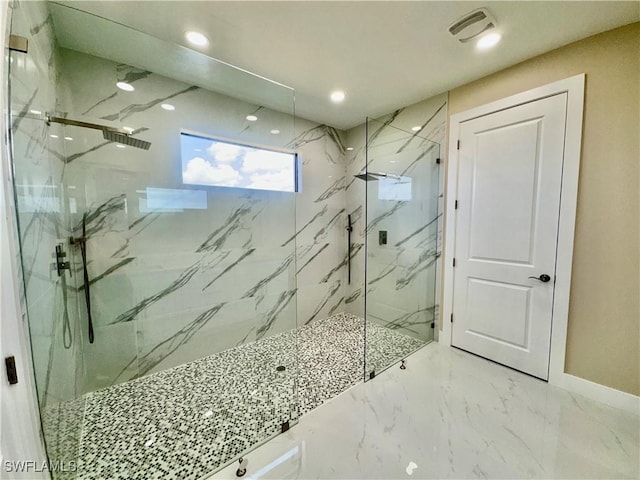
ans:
x=77 y=123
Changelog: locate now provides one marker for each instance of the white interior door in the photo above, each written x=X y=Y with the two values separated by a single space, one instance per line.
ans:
x=509 y=181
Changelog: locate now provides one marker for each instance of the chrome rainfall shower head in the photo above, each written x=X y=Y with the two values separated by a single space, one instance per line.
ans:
x=367 y=177
x=112 y=134
x=125 y=139
x=375 y=176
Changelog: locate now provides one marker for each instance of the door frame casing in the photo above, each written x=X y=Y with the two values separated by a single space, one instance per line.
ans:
x=574 y=87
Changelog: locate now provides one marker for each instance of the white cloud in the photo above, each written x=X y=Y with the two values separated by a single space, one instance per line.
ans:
x=224 y=152
x=282 y=180
x=264 y=160
x=201 y=172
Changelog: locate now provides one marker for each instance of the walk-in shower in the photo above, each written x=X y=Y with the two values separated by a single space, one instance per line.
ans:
x=185 y=303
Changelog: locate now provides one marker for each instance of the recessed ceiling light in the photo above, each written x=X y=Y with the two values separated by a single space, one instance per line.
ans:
x=488 y=41
x=252 y=118
x=68 y=138
x=349 y=149
x=127 y=87
x=168 y=106
x=119 y=145
x=417 y=128
x=338 y=96
x=36 y=112
x=53 y=136
x=197 y=39
x=275 y=132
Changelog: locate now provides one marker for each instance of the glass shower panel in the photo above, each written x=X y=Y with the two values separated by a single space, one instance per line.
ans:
x=402 y=179
x=180 y=295
x=49 y=297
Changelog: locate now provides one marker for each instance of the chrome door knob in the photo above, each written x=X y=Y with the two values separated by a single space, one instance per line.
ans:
x=543 y=278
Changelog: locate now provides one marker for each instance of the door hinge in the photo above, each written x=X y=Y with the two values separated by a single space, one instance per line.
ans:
x=452 y=318
x=12 y=372
x=454 y=262
x=456 y=207
x=458 y=144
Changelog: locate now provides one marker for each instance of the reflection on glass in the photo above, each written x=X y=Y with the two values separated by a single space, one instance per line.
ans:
x=172 y=200
x=398 y=189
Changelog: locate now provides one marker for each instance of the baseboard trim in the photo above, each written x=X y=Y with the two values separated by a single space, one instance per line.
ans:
x=595 y=391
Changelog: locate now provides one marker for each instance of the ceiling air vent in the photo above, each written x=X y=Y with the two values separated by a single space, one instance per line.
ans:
x=472 y=25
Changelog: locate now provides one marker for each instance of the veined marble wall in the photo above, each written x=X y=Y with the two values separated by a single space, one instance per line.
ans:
x=403 y=276
x=171 y=284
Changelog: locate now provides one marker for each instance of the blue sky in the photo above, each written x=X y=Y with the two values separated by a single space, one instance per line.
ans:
x=212 y=162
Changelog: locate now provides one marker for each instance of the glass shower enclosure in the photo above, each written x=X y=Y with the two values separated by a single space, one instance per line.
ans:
x=159 y=281
x=402 y=177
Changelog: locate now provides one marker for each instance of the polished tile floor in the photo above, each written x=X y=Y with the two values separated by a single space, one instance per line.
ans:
x=452 y=415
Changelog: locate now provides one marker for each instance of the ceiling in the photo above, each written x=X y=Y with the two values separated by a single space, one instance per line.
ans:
x=383 y=54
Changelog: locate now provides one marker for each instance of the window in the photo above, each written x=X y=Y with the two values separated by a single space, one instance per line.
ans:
x=222 y=163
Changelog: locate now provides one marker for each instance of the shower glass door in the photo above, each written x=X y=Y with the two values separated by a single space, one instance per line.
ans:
x=402 y=198
x=165 y=344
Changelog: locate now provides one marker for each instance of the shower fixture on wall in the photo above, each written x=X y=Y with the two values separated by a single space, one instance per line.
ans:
x=112 y=134
x=374 y=176
x=82 y=243
x=349 y=230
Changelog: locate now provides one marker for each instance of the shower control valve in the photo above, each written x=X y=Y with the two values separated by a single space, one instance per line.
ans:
x=61 y=265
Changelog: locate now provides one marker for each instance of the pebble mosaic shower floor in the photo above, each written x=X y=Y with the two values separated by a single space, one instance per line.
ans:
x=188 y=421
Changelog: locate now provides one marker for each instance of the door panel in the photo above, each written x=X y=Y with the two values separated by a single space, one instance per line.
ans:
x=492 y=306
x=510 y=169
x=504 y=192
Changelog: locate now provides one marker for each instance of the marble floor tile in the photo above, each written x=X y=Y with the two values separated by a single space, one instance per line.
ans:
x=452 y=415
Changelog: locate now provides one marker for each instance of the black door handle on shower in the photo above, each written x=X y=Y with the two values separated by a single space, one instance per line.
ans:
x=543 y=278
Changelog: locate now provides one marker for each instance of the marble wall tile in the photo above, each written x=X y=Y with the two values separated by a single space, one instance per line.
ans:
x=403 y=285
x=167 y=267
